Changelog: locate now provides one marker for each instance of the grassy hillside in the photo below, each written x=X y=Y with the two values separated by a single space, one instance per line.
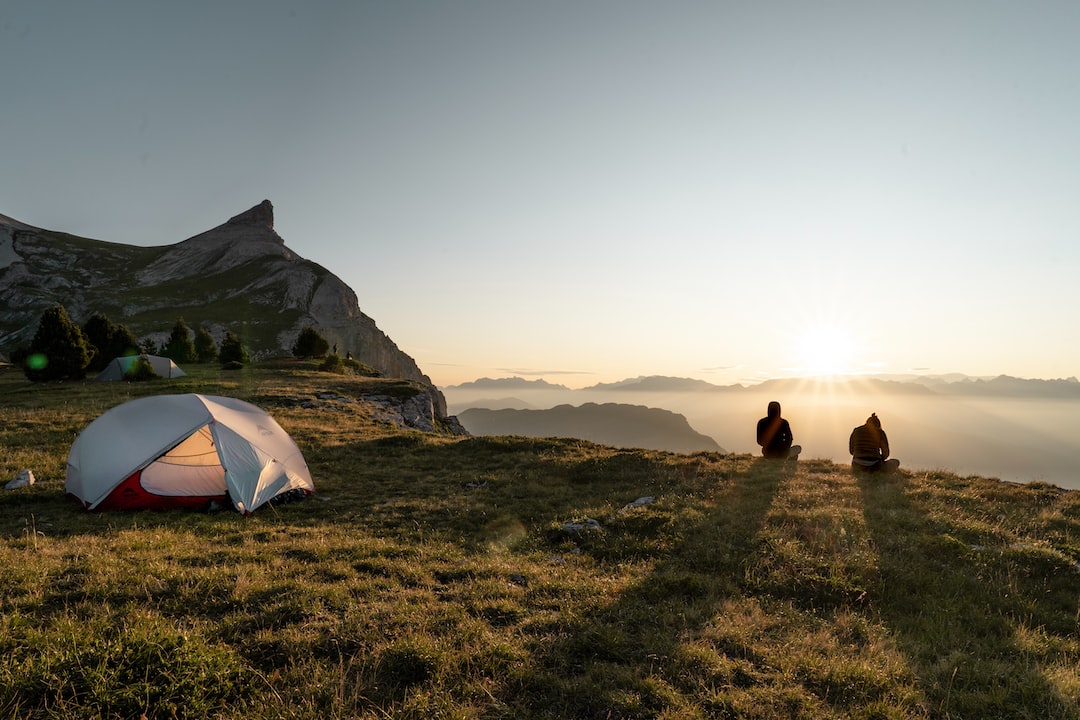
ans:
x=457 y=578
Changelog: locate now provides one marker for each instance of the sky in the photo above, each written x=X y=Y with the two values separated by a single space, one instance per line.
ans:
x=590 y=191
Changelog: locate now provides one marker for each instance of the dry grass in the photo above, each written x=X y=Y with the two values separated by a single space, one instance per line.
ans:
x=437 y=578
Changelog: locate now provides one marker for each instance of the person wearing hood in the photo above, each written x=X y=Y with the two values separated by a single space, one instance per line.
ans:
x=869 y=448
x=774 y=435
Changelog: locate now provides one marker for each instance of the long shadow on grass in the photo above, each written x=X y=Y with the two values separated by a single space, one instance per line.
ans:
x=603 y=663
x=949 y=622
x=50 y=513
x=474 y=490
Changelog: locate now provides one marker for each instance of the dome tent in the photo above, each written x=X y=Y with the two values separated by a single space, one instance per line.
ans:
x=118 y=367
x=167 y=451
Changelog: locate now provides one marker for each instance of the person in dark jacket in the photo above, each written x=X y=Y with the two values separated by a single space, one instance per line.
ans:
x=774 y=435
x=869 y=448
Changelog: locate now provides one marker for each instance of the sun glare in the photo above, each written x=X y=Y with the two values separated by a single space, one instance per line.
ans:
x=825 y=351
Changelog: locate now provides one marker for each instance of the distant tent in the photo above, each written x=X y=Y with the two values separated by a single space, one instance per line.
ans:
x=168 y=451
x=118 y=367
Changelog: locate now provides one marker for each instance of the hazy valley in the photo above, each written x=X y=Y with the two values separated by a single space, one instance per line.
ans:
x=1015 y=430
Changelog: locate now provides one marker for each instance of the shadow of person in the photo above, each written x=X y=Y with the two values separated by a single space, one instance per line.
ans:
x=961 y=648
x=774 y=468
x=626 y=641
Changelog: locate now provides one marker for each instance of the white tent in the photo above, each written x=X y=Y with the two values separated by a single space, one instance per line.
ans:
x=118 y=367
x=170 y=451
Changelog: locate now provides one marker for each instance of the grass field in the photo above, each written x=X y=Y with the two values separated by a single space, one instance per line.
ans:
x=436 y=577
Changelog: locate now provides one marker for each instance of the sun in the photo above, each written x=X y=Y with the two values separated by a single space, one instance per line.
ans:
x=825 y=350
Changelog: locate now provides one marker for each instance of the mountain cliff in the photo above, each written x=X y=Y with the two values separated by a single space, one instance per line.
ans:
x=238 y=276
x=615 y=424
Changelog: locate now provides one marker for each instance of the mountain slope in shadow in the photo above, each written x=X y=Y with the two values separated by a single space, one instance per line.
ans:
x=615 y=424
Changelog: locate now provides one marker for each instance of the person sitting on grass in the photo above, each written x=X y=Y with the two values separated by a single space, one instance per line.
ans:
x=774 y=435
x=869 y=448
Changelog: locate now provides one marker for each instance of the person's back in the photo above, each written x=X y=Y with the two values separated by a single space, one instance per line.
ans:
x=774 y=435
x=869 y=447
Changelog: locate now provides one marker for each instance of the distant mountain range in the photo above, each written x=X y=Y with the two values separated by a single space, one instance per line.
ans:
x=238 y=276
x=952 y=384
x=656 y=383
x=1008 y=427
x=615 y=424
x=510 y=383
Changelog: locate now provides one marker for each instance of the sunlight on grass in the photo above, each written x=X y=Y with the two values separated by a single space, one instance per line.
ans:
x=450 y=578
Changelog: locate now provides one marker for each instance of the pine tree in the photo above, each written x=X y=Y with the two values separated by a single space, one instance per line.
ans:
x=123 y=342
x=310 y=344
x=97 y=330
x=232 y=350
x=179 y=347
x=108 y=340
x=206 y=349
x=59 y=349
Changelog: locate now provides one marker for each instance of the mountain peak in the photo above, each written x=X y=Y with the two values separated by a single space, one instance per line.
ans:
x=237 y=275
x=262 y=214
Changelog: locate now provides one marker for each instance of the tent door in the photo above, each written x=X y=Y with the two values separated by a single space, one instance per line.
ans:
x=192 y=467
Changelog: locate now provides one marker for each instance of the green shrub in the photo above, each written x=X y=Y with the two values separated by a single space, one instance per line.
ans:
x=108 y=340
x=59 y=349
x=232 y=350
x=140 y=370
x=179 y=347
x=206 y=350
x=310 y=344
x=334 y=364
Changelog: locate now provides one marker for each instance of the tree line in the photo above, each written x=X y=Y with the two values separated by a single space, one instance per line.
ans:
x=61 y=349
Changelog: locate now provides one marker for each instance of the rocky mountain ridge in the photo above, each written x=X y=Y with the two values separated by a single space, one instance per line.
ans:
x=615 y=424
x=238 y=276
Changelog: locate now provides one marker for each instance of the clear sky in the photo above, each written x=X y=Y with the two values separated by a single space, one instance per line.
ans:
x=586 y=191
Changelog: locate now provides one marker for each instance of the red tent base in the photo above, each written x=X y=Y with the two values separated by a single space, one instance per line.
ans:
x=131 y=495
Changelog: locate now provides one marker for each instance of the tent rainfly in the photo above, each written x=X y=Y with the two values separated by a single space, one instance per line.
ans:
x=118 y=367
x=169 y=451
